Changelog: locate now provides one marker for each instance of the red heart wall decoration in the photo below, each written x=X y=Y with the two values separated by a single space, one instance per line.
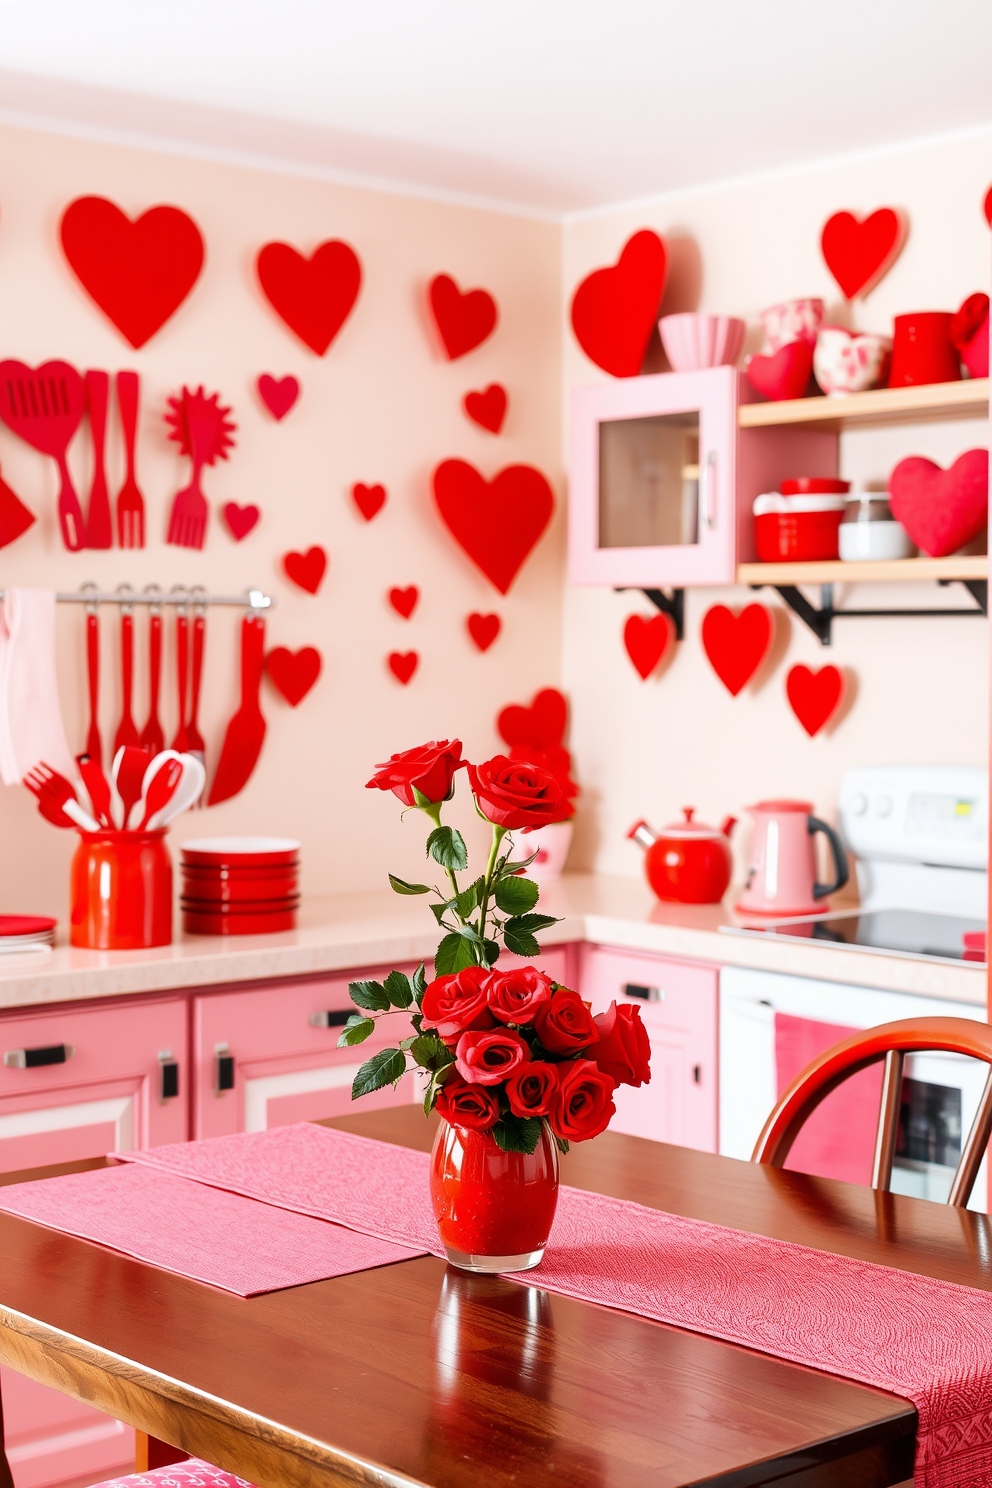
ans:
x=314 y=295
x=278 y=394
x=403 y=664
x=614 y=309
x=15 y=519
x=540 y=726
x=987 y=206
x=293 y=672
x=941 y=509
x=483 y=629
x=368 y=499
x=737 y=644
x=306 y=569
x=487 y=409
x=814 y=697
x=858 y=254
x=647 y=640
x=498 y=522
x=404 y=601
x=240 y=519
x=138 y=272
x=463 y=320
x=784 y=375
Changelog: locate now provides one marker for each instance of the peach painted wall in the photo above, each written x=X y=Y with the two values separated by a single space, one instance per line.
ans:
x=382 y=405
x=922 y=695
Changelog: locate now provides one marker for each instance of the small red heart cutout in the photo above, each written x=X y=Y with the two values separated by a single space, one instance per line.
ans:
x=647 y=640
x=614 y=309
x=814 y=697
x=737 y=644
x=404 y=601
x=784 y=375
x=368 y=499
x=487 y=409
x=240 y=519
x=483 y=629
x=464 y=320
x=403 y=664
x=941 y=509
x=858 y=254
x=540 y=727
x=293 y=672
x=278 y=394
x=313 y=296
x=498 y=522
x=306 y=569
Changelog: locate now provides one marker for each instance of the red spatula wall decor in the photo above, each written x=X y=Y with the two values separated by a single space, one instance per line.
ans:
x=614 y=310
x=313 y=296
x=464 y=318
x=737 y=644
x=44 y=407
x=860 y=253
x=498 y=522
x=138 y=272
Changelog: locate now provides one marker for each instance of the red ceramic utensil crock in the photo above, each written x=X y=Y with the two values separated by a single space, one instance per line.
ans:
x=121 y=891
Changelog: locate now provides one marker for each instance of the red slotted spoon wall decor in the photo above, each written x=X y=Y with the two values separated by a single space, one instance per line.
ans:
x=313 y=296
x=860 y=253
x=138 y=272
x=464 y=318
x=44 y=406
x=498 y=522
x=737 y=644
x=614 y=310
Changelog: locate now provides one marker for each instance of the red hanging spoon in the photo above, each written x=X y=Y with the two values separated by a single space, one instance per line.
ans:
x=181 y=742
x=194 y=739
x=94 y=745
x=127 y=729
x=152 y=737
x=246 y=730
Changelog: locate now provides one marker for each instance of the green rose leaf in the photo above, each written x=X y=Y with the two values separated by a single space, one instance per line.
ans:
x=355 y=1031
x=447 y=847
x=369 y=995
x=469 y=898
x=397 y=988
x=400 y=886
x=384 y=1068
x=515 y=896
x=419 y=983
x=491 y=949
x=518 y=933
x=436 y=1081
x=429 y=1052
x=510 y=870
x=562 y=1145
x=514 y=1135
x=454 y=954
x=440 y=910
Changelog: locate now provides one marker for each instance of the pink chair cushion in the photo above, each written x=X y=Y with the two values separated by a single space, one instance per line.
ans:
x=193 y=1473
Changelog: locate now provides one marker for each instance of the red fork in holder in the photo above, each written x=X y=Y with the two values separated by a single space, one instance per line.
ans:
x=130 y=502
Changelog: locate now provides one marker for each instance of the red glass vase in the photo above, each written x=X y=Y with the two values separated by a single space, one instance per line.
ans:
x=494 y=1209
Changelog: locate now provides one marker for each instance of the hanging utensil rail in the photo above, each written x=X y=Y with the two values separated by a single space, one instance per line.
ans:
x=253 y=600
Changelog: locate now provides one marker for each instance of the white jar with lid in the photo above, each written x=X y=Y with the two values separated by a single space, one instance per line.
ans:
x=870 y=531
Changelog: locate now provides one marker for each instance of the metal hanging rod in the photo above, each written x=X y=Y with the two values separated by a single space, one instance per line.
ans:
x=253 y=600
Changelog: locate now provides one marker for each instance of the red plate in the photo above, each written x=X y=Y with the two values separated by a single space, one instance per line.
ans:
x=259 y=890
x=814 y=485
x=243 y=852
x=241 y=875
x=26 y=925
x=248 y=924
x=253 y=907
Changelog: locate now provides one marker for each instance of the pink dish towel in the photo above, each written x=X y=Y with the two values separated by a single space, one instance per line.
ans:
x=31 y=727
x=926 y=1340
x=207 y=1234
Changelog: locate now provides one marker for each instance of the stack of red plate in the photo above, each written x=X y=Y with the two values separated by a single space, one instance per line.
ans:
x=25 y=933
x=240 y=885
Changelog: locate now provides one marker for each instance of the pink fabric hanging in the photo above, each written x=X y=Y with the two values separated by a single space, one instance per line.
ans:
x=31 y=727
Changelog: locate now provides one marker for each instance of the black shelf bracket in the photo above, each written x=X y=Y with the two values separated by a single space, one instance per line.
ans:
x=820 y=621
x=672 y=605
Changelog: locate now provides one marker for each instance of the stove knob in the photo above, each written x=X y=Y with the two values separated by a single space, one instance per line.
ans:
x=858 y=804
x=883 y=806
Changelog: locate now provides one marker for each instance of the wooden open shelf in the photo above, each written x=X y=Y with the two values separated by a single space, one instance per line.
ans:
x=940 y=400
x=900 y=570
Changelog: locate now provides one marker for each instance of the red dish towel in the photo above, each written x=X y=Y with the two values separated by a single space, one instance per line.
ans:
x=926 y=1340
x=838 y=1140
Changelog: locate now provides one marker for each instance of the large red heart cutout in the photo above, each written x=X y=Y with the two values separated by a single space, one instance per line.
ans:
x=138 y=272
x=814 y=697
x=614 y=309
x=368 y=499
x=404 y=601
x=306 y=569
x=737 y=644
x=314 y=295
x=784 y=375
x=463 y=320
x=540 y=727
x=857 y=253
x=487 y=409
x=647 y=641
x=403 y=664
x=293 y=672
x=941 y=509
x=240 y=519
x=278 y=394
x=496 y=522
x=483 y=629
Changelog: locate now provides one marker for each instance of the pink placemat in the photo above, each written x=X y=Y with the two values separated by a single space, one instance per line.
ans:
x=205 y=1233
x=926 y=1340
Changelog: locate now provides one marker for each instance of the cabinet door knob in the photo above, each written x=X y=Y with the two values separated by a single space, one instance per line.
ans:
x=35 y=1058
x=646 y=994
x=336 y=1018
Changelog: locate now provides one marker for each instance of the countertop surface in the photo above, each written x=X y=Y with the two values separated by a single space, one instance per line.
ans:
x=379 y=928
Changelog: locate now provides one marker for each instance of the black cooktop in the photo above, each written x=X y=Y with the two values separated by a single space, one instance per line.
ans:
x=890 y=932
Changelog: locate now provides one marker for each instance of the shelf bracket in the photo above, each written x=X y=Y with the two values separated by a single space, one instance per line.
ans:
x=820 y=621
x=672 y=605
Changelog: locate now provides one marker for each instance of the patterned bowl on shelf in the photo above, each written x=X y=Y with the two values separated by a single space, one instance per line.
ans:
x=694 y=341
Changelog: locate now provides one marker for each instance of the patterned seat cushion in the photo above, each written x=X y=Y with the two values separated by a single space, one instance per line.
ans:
x=193 y=1473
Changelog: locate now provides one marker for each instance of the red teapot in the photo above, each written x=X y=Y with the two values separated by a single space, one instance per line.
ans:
x=688 y=862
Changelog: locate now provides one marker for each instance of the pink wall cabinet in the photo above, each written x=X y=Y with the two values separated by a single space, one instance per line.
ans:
x=79 y=1082
x=678 y=1002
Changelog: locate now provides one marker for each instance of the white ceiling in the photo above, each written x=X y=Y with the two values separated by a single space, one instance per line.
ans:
x=553 y=106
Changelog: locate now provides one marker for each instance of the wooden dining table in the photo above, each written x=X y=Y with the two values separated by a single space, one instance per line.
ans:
x=418 y=1374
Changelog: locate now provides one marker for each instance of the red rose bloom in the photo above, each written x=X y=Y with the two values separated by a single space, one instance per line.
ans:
x=533 y=1089
x=456 y=1002
x=487 y=1058
x=624 y=1049
x=515 y=996
x=467 y=1105
x=431 y=768
x=584 y=1106
x=558 y=762
x=564 y=1025
x=515 y=794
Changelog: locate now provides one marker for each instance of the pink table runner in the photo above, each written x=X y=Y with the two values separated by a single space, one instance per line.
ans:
x=926 y=1340
x=208 y=1234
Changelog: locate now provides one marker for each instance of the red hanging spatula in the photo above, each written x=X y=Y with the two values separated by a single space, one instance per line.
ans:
x=246 y=730
x=127 y=729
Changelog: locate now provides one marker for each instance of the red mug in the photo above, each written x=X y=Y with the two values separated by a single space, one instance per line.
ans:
x=922 y=349
x=121 y=891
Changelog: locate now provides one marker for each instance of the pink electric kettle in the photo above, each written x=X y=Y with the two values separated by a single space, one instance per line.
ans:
x=781 y=878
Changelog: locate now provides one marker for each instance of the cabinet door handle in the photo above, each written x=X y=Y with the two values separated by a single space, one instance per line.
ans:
x=336 y=1018
x=35 y=1058
x=709 y=490
x=697 y=1074
x=646 y=994
x=169 y=1076
x=223 y=1068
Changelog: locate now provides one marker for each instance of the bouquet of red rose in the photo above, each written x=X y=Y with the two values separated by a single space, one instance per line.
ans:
x=500 y=1051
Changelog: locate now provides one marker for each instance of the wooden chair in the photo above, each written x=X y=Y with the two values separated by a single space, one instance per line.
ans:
x=890 y=1042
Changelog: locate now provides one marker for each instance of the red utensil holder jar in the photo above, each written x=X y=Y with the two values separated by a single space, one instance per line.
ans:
x=121 y=891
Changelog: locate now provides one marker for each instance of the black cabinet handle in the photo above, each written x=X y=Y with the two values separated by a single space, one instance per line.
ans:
x=169 y=1078
x=224 y=1069
x=697 y=1073
x=35 y=1058
x=646 y=994
x=332 y=1019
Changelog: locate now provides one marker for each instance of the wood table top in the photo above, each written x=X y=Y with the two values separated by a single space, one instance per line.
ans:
x=417 y=1374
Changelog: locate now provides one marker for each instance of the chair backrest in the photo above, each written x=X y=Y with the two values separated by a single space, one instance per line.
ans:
x=890 y=1042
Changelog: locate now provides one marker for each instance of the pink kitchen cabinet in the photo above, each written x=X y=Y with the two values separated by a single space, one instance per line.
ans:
x=678 y=1003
